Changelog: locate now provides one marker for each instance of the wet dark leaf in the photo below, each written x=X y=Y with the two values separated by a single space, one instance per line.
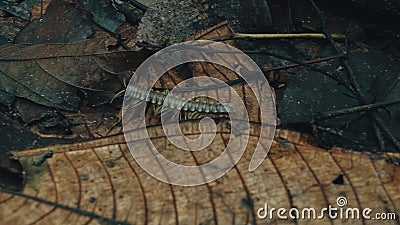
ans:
x=312 y=93
x=104 y=13
x=52 y=74
x=18 y=8
x=6 y=98
x=30 y=112
x=63 y=22
x=15 y=136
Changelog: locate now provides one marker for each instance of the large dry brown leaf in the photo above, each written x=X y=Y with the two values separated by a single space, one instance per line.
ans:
x=99 y=180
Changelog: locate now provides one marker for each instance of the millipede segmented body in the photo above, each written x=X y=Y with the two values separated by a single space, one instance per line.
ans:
x=173 y=102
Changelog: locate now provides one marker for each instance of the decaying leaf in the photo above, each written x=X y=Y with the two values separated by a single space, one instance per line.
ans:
x=52 y=74
x=19 y=9
x=63 y=22
x=99 y=180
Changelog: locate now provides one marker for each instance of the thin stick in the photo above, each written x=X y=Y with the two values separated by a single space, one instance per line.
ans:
x=286 y=36
x=385 y=129
x=297 y=63
x=341 y=112
x=391 y=88
x=378 y=134
x=294 y=65
x=332 y=76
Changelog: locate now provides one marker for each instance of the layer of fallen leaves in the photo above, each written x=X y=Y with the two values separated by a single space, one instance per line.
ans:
x=52 y=76
x=67 y=85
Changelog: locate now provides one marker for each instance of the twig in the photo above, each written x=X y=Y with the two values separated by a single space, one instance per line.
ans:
x=286 y=36
x=391 y=88
x=341 y=112
x=236 y=36
x=385 y=129
x=378 y=134
x=290 y=66
x=330 y=38
x=297 y=63
x=332 y=76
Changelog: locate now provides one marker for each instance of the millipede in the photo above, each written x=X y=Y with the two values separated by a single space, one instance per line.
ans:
x=156 y=97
